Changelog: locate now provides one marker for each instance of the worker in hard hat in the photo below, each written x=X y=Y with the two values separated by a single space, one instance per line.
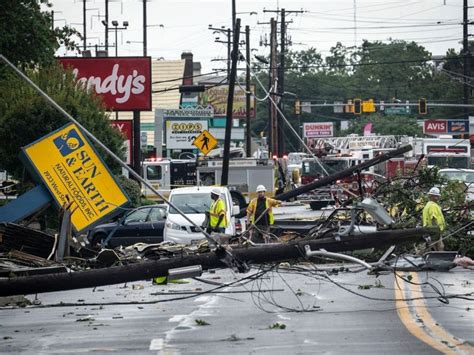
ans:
x=217 y=213
x=259 y=214
x=433 y=215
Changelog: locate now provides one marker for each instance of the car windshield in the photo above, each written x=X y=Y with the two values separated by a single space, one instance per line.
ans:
x=449 y=162
x=191 y=203
x=467 y=177
x=137 y=216
x=331 y=166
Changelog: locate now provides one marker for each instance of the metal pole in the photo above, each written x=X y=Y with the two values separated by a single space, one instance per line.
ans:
x=230 y=105
x=144 y=28
x=466 y=58
x=52 y=20
x=229 y=32
x=116 y=40
x=84 y=33
x=233 y=14
x=107 y=26
x=136 y=142
x=248 y=138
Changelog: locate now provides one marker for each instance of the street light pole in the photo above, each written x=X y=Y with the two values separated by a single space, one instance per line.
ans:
x=107 y=26
x=144 y=28
x=116 y=41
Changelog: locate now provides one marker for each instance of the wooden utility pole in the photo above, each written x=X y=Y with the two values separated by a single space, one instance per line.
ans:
x=257 y=255
x=466 y=57
x=281 y=84
x=273 y=75
x=248 y=137
x=230 y=104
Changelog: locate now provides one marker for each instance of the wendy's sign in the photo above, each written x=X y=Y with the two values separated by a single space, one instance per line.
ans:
x=123 y=82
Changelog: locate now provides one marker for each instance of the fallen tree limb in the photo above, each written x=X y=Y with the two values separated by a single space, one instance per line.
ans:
x=254 y=255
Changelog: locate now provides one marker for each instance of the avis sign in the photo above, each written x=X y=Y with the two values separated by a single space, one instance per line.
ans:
x=72 y=171
x=123 y=82
x=436 y=127
x=318 y=129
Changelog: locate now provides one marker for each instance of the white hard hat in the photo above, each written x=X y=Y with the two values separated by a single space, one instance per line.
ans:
x=216 y=191
x=434 y=191
x=261 y=188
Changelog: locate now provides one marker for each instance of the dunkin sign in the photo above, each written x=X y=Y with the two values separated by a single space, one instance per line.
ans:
x=123 y=82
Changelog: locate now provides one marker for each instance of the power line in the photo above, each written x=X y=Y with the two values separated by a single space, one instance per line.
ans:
x=187 y=77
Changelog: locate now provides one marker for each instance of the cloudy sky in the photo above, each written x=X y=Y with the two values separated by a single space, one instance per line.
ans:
x=435 y=24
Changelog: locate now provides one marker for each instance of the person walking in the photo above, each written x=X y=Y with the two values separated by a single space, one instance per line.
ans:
x=433 y=215
x=260 y=215
x=217 y=213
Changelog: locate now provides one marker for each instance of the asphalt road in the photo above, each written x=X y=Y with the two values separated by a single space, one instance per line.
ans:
x=282 y=312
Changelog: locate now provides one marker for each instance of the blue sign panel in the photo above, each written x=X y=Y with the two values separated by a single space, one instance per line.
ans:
x=458 y=126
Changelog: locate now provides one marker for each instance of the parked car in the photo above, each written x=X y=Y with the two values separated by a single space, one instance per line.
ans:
x=464 y=175
x=142 y=225
x=194 y=202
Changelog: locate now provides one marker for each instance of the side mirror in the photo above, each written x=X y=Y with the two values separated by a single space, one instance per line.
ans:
x=235 y=210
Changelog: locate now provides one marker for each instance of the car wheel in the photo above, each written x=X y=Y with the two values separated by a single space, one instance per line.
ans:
x=97 y=239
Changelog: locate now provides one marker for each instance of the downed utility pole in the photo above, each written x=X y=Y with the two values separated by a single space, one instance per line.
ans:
x=256 y=255
x=344 y=173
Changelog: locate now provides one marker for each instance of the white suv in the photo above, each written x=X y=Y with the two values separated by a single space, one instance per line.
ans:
x=194 y=202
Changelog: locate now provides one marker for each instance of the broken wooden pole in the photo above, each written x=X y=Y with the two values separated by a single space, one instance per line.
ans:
x=343 y=173
x=255 y=255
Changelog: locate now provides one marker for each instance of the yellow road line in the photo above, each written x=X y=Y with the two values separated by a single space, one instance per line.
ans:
x=419 y=322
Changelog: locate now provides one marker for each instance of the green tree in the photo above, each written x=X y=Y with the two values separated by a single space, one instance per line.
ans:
x=27 y=37
x=25 y=116
x=386 y=125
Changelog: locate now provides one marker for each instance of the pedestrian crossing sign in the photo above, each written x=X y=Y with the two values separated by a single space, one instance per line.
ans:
x=205 y=142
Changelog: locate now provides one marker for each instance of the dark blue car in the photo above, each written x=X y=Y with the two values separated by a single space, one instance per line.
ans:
x=142 y=225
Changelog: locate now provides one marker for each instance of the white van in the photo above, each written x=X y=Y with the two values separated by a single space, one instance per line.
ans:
x=194 y=202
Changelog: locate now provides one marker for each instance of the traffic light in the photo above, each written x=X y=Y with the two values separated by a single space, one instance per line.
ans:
x=357 y=106
x=422 y=106
x=297 y=107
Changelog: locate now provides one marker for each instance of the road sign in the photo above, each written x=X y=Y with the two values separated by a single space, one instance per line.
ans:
x=397 y=110
x=205 y=142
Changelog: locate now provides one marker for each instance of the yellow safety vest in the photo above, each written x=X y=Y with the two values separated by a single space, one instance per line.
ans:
x=217 y=209
x=269 y=202
x=432 y=211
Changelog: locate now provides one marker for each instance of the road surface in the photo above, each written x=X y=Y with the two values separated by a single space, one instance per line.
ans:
x=282 y=312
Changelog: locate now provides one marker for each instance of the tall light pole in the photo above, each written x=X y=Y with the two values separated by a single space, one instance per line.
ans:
x=115 y=28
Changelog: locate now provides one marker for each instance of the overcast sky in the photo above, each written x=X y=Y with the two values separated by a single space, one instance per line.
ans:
x=435 y=24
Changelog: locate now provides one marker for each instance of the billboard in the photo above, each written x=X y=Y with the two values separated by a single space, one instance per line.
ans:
x=216 y=97
x=454 y=127
x=126 y=128
x=72 y=171
x=181 y=134
x=435 y=127
x=318 y=129
x=124 y=83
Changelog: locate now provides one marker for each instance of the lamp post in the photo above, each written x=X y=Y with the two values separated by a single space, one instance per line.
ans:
x=115 y=28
